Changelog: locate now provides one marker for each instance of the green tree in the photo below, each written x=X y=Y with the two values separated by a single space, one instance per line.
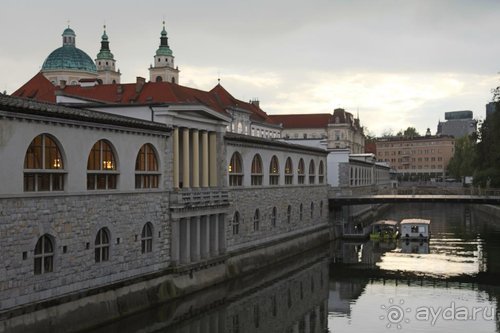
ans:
x=487 y=158
x=410 y=132
x=461 y=164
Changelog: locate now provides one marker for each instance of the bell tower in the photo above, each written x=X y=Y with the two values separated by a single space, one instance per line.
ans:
x=163 y=69
x=105 y=63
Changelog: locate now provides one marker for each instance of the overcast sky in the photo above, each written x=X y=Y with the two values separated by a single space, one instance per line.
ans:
x=399 y=62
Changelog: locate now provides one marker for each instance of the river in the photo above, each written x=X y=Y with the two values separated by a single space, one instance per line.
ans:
x=449 y=284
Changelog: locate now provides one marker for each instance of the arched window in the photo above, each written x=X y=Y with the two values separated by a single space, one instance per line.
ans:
x=312 y=209
x=274 y=171
x=289 y=214
x=43 y=166
x=256 y=176
x=321 y=208
x=288 y=171
x=301 y=211
x=235 y=170
x=236 y=223
x=312 y=175
x=159 y=79
x=256 y=220
x=173 y=80
x=101 y=167
x=147 y=238
x=301 y=171
x=44 y=255
x=146 y=168
x=321 y=172
x=274 y=216
x=102 y=245
x=240 y=127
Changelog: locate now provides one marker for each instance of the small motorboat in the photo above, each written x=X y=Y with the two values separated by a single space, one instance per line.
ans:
x=384 y=230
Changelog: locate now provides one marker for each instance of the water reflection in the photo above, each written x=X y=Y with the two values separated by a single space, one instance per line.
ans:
x=291 y=297
x=350 y=286
x=456 y=269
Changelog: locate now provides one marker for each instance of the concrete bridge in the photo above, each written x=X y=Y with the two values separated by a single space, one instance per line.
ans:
x=346 y=197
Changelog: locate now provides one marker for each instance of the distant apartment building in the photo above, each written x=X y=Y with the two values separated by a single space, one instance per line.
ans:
x=457 y=124
x=340 y=130
x=418 y=158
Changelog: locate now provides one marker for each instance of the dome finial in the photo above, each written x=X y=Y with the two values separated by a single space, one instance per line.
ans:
x=68 y=23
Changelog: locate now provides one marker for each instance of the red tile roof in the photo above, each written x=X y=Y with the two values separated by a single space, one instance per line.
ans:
x=312 y=120
x=38 y=88
x=218 y=99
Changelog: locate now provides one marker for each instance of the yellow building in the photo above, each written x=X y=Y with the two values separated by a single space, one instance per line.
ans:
x=418 y=158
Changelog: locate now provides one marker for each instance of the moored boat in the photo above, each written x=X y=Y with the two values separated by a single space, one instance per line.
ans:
x=415 y=229
x=384 y=230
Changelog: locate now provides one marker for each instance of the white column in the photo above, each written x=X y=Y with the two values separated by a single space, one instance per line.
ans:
x=205 y=237
x=222 y=233
x=204 y=159
x=176 y=157
x=196 y=159
x=213 y=158
x=214 y=235
x=185 y=160
x=185 y=241
x=175 y=247
x=195 y=239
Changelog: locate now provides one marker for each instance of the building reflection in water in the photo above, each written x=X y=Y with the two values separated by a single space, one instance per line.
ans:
x=291 y=297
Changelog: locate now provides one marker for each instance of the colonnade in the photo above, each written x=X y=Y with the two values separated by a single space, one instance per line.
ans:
x=189 y=172
x=198 y=238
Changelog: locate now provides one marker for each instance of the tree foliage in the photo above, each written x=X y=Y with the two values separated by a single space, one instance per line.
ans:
x=461 y=164
x=410 y=132
x=487 y=158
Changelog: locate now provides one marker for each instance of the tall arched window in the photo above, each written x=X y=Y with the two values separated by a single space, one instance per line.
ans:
x=236 y=223
x=301 y=212
x=239 y=127
x=146 y=168
x=102 y=245
x=256 y=176
x=274 y=171
x=312 y=210
x=44 y=255
x=101 y=167
x=312 y=172
x=256 y=220
x=274 y=216
x=301 y=172
x=147 y=238
x=321 y=208
x=43 y=165
x=288 y=171
x=321 y=173
x=235 y=170
x=289 y=214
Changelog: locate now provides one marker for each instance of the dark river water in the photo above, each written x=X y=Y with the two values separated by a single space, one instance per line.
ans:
x=449 y=284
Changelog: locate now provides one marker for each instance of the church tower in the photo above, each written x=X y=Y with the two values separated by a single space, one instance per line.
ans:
x=163 y=69
x=105 y=63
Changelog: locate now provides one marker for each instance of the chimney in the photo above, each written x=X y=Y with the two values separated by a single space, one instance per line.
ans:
x=255 y=102
x=140 y=81
x=62 y=84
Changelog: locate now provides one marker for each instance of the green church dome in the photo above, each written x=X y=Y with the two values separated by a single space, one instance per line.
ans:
x=68 y=56
x=71 y=58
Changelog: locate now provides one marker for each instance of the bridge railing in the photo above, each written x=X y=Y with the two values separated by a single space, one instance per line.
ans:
x=413 y=190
